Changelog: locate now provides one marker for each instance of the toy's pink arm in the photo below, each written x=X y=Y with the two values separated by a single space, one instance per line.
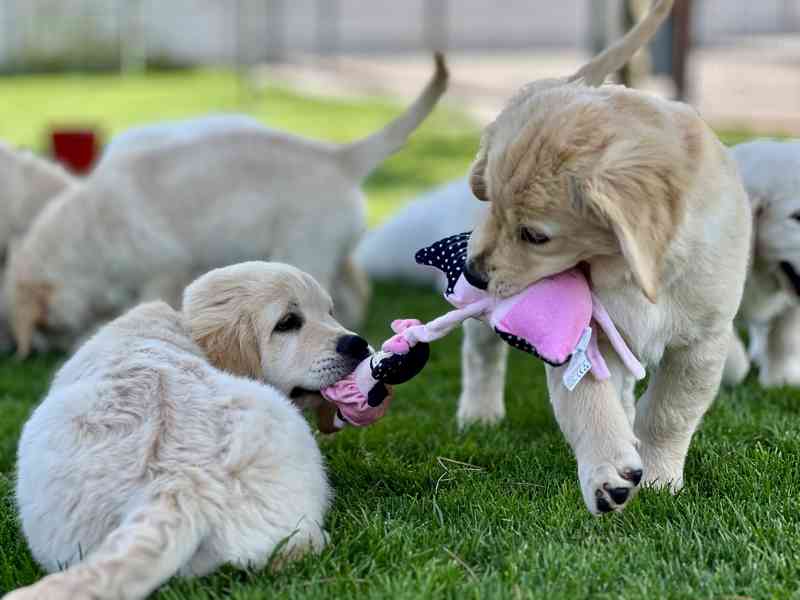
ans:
x=436 y=329
x=600 y=314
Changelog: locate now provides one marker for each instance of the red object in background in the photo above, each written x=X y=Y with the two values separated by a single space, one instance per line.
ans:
x=77 y=149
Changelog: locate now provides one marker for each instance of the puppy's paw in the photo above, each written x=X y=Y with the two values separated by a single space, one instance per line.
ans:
x=662 y=469
x=609 y=485
x=780 y=373
x=480 y=411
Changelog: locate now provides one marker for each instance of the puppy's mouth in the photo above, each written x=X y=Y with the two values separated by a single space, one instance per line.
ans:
x=299 y=392
x=791 y=275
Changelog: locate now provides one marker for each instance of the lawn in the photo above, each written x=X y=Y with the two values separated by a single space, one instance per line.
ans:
x=421 y=509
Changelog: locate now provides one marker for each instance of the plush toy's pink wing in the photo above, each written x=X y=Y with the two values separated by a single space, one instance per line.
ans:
x=547 y=318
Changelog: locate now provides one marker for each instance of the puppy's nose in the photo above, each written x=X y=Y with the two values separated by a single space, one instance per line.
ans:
x=473 y=275
x=353 y=346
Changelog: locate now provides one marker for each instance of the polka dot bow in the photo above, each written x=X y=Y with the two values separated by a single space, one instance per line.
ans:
x=449 y=255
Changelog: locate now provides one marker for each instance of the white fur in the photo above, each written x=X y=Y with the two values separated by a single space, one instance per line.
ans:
x=168 y=204
x=770 y=309
x=144 y=460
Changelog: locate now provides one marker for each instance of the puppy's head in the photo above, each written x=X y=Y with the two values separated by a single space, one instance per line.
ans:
x=271 y=322
x=43 y=314
x=574 y=174
x=769 y=170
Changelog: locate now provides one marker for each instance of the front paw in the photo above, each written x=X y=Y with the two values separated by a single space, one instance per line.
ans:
x=482 y=408
x=609 y=485
x=779 y=374
x=663 y=469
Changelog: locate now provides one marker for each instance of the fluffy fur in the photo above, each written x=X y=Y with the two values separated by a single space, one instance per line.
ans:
x=640 y=192
x=387 y=252
x=770 y=310
x=148 y=220
x=29 y=183
x=145 y=459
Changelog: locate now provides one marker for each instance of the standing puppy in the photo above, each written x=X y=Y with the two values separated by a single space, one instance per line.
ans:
x=160 y=450
x=640 y=192
x=770 y=309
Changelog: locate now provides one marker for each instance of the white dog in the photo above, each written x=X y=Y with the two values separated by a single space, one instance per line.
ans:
x=640 y=193
x=770 y=309
x=148 y=458
x=149 y=220
x=387 y=252
x=28 y=184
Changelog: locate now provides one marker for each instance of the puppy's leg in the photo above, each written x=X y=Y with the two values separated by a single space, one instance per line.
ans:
x=594 y=421
x=678 y=396
x=483 y=374
x=737 y=364
x=146 y=550
x=781 y=358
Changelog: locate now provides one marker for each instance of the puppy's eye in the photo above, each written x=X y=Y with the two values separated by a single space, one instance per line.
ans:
x=291 y=322
x=796 y=216
x=533 y=237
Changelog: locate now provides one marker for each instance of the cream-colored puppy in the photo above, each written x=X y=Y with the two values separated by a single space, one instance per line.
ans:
x=640 y=192
x=148 y=221
x=770 y=309
x=28 y=184
x=150 y=456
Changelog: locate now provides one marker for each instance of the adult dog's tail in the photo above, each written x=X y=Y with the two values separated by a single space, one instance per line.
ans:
x=137 y=557
x=595 y=72
x=361 y=157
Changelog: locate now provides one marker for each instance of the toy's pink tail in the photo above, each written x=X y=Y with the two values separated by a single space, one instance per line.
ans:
x=600 y=314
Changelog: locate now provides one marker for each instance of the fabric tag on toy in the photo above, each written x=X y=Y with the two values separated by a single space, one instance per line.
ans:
x=579 y=365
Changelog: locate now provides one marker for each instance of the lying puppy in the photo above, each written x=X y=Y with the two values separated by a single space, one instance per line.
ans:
x=29 y=183
x=640 y=192
x=146 y=459
x=770 y=309
x=141 y=227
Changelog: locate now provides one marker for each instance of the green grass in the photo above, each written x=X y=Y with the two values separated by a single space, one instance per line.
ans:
x=422 y=510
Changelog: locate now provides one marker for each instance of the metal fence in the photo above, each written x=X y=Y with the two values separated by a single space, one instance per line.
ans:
x=86 y=34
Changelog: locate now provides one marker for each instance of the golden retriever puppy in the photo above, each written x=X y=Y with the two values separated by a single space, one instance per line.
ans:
x=168 y=444
x=28 y=184
x=639 y=192
x=770 y=309
x=149 y=220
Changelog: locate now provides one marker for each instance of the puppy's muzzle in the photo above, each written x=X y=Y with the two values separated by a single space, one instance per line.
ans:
x=474 y=275
x=353 y=346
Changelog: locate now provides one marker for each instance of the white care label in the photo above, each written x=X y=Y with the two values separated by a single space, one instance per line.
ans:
x=579 y=365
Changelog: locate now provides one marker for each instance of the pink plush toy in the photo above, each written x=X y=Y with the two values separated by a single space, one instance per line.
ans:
x=551 y=319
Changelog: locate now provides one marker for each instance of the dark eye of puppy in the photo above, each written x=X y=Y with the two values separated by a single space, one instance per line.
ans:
x=290 y=322
x=796 y=215
x=533 y=237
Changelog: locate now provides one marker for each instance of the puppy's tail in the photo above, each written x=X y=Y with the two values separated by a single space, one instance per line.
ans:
x=361 y=157
x=146 y=550
x=595 y=72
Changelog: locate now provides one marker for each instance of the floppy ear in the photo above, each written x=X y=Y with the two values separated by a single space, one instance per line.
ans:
x=643 y=209
x=222 y=325
x=477 y=175
x=31 y=303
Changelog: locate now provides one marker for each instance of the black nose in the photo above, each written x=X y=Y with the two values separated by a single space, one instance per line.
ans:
x=473 y=275
x=353 y=346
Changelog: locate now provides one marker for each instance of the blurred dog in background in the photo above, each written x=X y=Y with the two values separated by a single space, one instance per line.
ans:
x=770 y=309
x=147 y=221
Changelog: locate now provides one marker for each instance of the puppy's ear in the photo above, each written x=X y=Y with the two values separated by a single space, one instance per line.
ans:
x=477 y=175
x=643 y=209
x=221 y=323
x=31 y=303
